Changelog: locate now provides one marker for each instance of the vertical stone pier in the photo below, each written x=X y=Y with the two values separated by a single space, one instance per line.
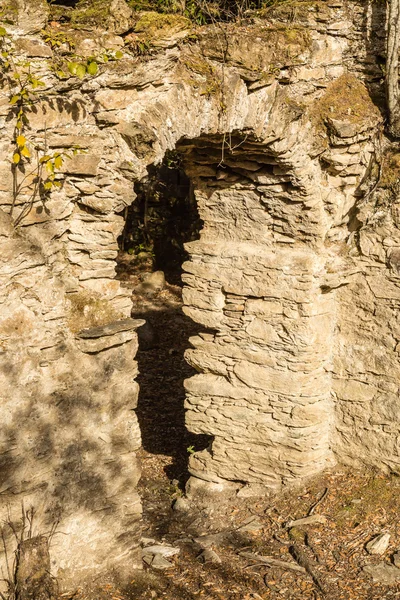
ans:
x=263 y=388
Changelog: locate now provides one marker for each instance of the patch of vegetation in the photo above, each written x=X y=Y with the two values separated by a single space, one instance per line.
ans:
x=90 y=12
x=346 y=99
x=289 y=10
x=89 y=310
x=201 y=11
x=212 y=82
x=152 y=24
x=378 y=491
x=390 y=170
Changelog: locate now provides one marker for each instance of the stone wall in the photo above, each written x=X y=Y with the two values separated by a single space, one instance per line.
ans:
x=294 y=277
x=69 y=436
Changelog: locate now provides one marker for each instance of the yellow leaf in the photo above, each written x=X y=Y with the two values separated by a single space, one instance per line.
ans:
x=48 y=185
x=15 y=99
x=58 y=161
x=21 y=140
x=50 y=167
x=25 y=152
x=16 y=158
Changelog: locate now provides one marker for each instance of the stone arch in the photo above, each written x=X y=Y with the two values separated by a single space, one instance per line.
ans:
x=260 y=196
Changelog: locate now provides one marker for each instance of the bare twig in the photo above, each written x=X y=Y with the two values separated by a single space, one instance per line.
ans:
x=6 y=555
x=311 y=520
x=302 y=559
x=314 y=506
x=273 y=562
x=281 y=541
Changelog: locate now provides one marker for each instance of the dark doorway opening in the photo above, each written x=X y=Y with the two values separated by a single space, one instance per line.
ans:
x=161 y=219
x=66 y=3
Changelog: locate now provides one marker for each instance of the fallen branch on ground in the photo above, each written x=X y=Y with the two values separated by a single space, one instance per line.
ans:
x=273 y=562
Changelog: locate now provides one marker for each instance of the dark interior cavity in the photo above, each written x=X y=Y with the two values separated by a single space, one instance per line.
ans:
x=161 y=219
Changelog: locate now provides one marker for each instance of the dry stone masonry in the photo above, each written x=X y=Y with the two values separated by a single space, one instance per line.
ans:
x=295 y=277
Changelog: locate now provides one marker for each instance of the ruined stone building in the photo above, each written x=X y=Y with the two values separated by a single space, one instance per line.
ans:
x=294 y=278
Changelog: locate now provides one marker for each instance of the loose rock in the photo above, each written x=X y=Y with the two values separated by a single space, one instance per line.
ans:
x=181 y=505
x=208 y=556
x=396 y=559
x=161 y=550
x=383 y=573
x=157 y=562
x=379 y=544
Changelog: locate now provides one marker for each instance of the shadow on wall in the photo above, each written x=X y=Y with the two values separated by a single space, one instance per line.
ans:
x=66 y=453
x=374 y=18
x=161 y=219
x=163 y=369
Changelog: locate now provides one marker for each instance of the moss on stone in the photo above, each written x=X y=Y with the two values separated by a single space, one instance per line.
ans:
x=91 y=12
x=154 y=24
x=257 y=49
x=89 y=310
x=390 y=169
x=346 y=99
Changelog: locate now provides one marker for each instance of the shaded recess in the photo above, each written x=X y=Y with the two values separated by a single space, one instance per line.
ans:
x=66 y=3
x=162 y=218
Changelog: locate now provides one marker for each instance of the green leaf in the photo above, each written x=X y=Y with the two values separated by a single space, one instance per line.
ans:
x=119 y=54
x=72 y=67
x=3 y=32
x=61 y=74
x=81 y=71
x=92 y=68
